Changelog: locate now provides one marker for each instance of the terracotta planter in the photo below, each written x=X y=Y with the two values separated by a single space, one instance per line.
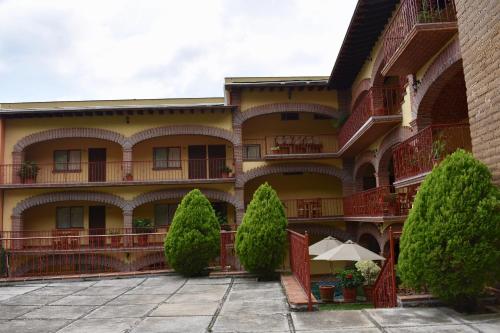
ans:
x=142 y=240
x=28 y=180
x=225 y=175
x=327 y=293
x=349 y=295
x=368 y=293
x=129 y=177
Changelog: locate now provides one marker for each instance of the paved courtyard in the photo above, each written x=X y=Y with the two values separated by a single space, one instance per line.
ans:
x=174 y=304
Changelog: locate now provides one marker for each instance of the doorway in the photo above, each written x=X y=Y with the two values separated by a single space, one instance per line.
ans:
x=216 y=160
x=97 y=164
x=97 y=224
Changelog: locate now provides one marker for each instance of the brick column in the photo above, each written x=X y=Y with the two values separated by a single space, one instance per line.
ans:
x=479 y=43
x=382 y=178
x=235 y=99
x=17 y=228
x=240 y=211
x=348 y=185
x=128 y=228
x=127 y=163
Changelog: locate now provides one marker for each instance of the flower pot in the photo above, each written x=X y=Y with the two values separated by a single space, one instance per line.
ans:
x=129 y=177
x=349 y=295
x=28 y=180
x=368 y=293
x=142 y=240
x=326 y=293
x=225 y=174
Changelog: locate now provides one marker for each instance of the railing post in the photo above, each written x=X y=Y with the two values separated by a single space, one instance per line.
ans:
x=307 y=277
x=393 y=273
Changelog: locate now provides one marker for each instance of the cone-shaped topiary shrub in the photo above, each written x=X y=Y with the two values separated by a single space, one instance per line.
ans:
x=194 y=236
x=261 y=238
x=450 y=242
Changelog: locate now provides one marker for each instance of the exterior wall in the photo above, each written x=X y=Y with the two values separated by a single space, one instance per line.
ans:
x=366 y=71
x=250 y=165
x=254 y=98
x=479 y=35
x=16 y=129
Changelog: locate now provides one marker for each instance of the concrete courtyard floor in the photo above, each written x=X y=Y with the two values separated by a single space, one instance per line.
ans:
x=173 y=304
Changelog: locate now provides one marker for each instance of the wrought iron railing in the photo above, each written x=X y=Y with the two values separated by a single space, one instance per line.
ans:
x=313 y=208
x=376 y=102
x=418 y=154
x=116 y=172
x=413 y=12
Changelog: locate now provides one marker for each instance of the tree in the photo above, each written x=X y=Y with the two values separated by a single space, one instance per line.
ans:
x=261 y=238
x=194 y=236
x=450 y=241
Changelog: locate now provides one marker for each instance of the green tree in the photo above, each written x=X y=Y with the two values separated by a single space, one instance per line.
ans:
x=261 y=238
x=194 y=236
x=450 y=242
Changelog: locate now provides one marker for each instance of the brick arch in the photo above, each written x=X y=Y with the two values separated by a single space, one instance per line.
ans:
x=363 y=85
x=377 y=79
x=180 y=193
x=439 y=73
x=52 y=197
x=183 y=130
x=373 y=230
x=261 y=110
x=384 y=152
x=61 y=133
x=109 y=262
x=366 y=157
x=299 y=167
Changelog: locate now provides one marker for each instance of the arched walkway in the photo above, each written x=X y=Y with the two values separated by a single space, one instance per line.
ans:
x=241 y=117
x=370 y=242
x=365 y=178
x=289 y=168
x=183 y=130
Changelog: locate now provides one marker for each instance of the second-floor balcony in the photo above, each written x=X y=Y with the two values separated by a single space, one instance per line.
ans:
x=371 y=116
x=377 y=202
x=418 y=29
x=32 y=174
x=313 y=208
x=416 y=156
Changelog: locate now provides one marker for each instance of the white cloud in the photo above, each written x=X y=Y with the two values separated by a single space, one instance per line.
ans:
x=59 y=49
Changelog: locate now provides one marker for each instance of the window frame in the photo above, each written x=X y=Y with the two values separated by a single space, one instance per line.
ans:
x=71 y=226
x=245 y=155
x=67 y=163
x=155 y=167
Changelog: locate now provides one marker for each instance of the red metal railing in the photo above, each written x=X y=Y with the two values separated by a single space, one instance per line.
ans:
x=299 y=262
x=411 y=13
x=116 y=172
x=313 y=208
x=418 y=154
x=378 y=201
x=377 y=102
x=300 y=144
x=384 y=289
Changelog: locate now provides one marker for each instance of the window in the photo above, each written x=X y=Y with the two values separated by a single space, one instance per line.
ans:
x=164 y=214
x=290 y=116
x=251 y=152
x=69 y=217
x=167 y=158
x=67 y=160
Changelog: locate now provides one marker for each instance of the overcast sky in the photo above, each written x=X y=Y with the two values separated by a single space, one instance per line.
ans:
x=106 y=49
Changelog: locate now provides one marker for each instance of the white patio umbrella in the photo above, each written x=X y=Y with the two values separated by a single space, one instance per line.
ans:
x=324 y=245
x=349 y=251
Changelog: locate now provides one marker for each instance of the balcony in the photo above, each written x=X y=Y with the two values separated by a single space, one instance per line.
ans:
x=415 y=157
x=378 y=202
x=106 y=173
x=372 y=116
x=297 y=146
x=418 y=30
x=313 y=209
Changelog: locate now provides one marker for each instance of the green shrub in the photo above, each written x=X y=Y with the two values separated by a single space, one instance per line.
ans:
x=351 y=278
x=261 y=238
x=194 y=236
x=142 y=225
x=450 y=241
x=3 y=262
x=369 y=270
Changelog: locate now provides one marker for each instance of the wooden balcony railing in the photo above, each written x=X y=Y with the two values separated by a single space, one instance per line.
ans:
x=377 y=102
x=378 y=201
x=418 y=154
x=116 y=172
x=411 y=13
x=313 y=208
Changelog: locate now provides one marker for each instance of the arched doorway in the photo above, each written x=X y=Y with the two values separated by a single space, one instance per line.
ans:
x=370 y=242
x=365 y=177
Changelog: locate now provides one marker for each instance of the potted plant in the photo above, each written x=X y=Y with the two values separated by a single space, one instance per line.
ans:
x=350 y=280
x=276 y=149
x=370 y=271
x=226 y=171
x=438 y=149
x=326 y=292
x=142 y=226
x=129 y=176
x=28 y=172
x=115 y=239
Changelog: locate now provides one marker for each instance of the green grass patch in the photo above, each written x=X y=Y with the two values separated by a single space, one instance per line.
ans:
x=345 y=306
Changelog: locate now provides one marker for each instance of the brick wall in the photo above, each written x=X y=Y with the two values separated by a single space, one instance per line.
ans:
x=479 y=34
